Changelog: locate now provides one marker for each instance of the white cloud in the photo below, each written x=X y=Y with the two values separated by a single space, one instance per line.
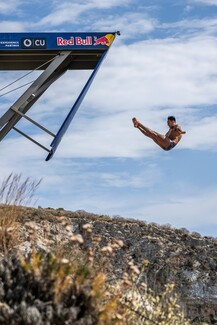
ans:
x=188 y=8
x=182 y=210
x=145 y=179
x=12 y=26
x=156 y=74
x=9 y=6
x=192 y=27
x=108 y=3
x=206 y=2
x=130 y=24
x=203 y=134
x=66 y=12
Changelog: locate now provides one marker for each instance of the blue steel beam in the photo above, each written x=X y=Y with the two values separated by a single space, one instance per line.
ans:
x=54 y=144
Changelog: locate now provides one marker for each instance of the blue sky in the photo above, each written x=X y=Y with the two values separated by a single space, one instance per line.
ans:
x=164 y=63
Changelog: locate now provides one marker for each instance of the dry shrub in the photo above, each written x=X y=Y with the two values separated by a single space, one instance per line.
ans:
x=13 y=193
x=146 y=308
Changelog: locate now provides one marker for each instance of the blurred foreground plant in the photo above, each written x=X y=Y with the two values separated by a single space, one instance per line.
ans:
x=13 y=192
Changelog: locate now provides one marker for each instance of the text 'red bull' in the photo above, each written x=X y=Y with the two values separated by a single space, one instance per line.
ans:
x=74 y=41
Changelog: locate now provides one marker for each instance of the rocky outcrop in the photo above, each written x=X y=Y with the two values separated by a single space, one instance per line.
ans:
x=174 y=255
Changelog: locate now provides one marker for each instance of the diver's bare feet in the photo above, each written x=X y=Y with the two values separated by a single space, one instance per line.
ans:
x=135 y=122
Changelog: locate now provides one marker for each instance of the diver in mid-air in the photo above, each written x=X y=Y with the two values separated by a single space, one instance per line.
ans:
x=167 y=141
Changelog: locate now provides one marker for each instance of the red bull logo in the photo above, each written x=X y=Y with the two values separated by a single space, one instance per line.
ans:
x=86 y=41
x=104 y=40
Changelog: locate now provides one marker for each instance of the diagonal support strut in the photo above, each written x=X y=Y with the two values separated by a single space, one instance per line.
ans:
x=56 y=68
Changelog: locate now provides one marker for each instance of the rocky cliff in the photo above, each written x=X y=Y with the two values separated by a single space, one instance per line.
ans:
x=174 y=255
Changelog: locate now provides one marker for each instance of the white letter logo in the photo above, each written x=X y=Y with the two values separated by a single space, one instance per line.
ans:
x=27 y=42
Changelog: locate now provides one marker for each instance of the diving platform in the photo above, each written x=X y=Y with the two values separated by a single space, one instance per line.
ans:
x=52 y=54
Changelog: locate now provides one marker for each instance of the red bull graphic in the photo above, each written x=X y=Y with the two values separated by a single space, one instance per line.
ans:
x=88 y=40
x=104 y=40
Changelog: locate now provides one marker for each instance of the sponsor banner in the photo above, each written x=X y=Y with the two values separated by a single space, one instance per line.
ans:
x=55 y=41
